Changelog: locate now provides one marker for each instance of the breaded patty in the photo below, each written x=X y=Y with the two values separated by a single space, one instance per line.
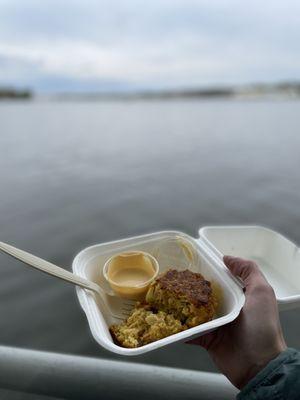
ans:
x=184 y=294
x=145 y=326
x=175 y=301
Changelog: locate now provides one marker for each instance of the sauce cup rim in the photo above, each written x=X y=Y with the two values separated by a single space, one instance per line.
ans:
x=141 y=285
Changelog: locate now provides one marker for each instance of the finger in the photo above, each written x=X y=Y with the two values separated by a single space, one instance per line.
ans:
x=247 y=270
x=204 y=341
x=239 y=266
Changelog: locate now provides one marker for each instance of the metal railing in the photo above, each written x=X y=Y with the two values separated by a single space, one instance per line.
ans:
x=84 y=378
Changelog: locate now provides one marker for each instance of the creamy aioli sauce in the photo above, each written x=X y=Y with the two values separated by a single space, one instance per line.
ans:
x=129 y=274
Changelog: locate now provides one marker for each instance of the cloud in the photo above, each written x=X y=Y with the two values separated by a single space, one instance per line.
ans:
x=161 y=43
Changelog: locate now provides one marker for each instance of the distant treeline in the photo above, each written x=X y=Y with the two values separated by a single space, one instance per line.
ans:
x=258 y=90
x=149 y=95
x=285 y=89
x=188 y=93
x=9 y=93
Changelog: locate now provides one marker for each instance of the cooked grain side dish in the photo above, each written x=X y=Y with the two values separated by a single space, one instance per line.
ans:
x=175 y=301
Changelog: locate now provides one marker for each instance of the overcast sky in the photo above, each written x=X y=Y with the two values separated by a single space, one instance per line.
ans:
x=63 y=45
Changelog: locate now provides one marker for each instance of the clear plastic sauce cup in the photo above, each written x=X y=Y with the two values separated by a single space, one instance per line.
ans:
x=129 y=274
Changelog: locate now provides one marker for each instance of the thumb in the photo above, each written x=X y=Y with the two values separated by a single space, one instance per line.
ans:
x=247 y=270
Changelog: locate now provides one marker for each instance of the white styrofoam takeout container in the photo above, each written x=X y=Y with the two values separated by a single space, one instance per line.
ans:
x=276 y=256
x=89 y=263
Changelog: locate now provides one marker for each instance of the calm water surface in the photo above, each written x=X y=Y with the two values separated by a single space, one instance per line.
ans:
x=75 y=174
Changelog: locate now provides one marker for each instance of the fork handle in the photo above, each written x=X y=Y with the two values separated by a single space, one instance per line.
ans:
x=49 y=268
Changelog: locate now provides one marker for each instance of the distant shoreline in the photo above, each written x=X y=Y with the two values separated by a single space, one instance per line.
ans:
x=277 y=90
x=15 y=94
x=290 y=90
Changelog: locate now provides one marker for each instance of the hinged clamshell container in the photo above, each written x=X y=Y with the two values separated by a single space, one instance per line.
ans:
x=277 y=257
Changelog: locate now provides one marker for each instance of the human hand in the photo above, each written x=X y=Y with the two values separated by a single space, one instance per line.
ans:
x=245 y=346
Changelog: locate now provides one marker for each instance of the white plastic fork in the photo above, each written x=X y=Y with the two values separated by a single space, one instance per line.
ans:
x=118 y=308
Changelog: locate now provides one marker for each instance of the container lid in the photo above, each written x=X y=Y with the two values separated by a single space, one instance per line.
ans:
x=277 y=257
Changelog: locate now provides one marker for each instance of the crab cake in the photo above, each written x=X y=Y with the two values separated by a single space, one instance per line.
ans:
x=175 y=301
x=184 y=294
x=145 y=326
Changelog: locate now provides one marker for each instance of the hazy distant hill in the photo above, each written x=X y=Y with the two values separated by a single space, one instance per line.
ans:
x=10 y=93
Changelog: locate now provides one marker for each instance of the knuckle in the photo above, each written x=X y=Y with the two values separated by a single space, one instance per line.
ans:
x=270 y=290
x=251 y=265
x=263 y=288
x=259 y=288
x=248 y=268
